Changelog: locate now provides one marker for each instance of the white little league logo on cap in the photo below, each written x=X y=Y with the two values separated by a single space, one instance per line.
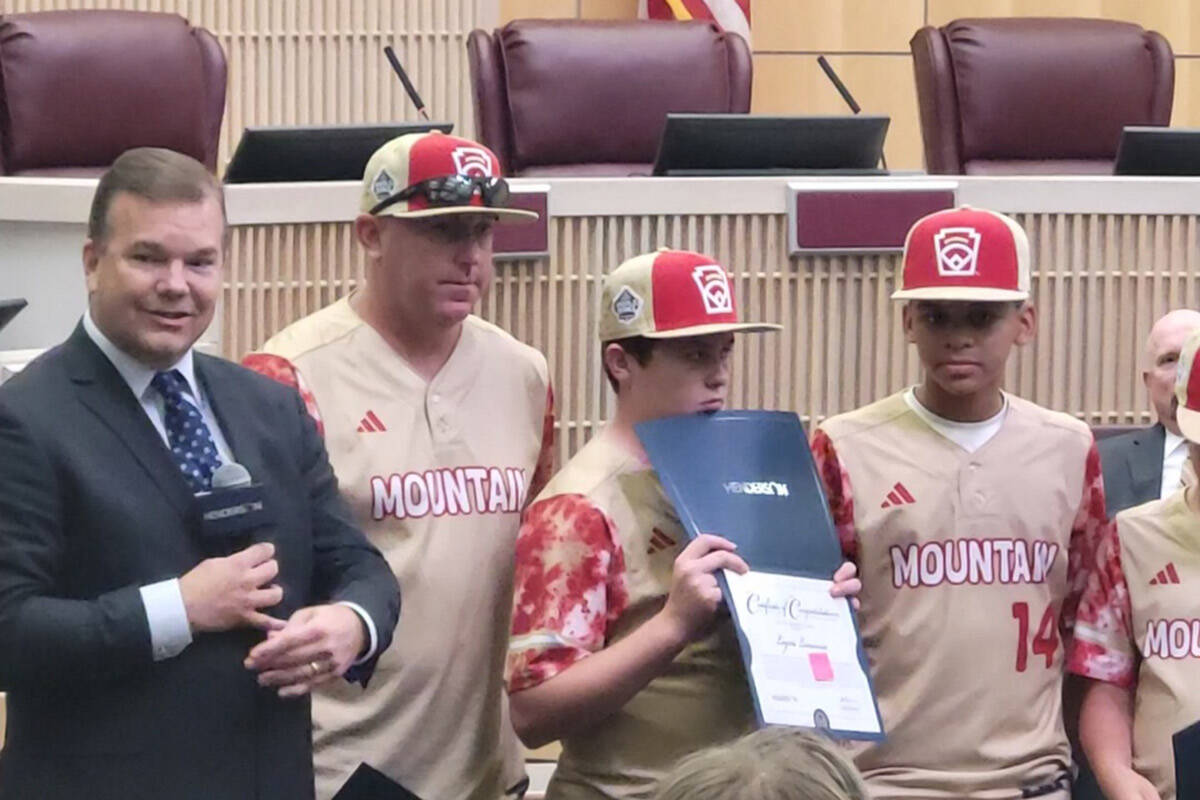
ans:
x=714 y=288
x=957 y=251
x=472 y=161
x=627 y=305
x=383 y=186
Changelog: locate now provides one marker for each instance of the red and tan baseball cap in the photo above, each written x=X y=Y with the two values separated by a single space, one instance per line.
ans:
x=964 y=254
x=670 y=294
x=1187 y=389
x=416 y=175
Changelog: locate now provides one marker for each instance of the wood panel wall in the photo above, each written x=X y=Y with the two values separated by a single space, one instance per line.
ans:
x=867 y=43
x=1099 y=282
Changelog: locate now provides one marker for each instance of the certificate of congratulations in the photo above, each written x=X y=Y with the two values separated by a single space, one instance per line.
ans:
x=749 y=476
x=803 y=654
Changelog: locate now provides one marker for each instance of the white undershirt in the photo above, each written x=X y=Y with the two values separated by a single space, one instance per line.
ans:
x=970 y=436
x=1175 y=453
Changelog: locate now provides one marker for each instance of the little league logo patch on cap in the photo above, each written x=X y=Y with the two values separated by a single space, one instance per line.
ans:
x=383 y=186
x=957 y=251
x=472 y=161
x=713 y=284
x=627 y=305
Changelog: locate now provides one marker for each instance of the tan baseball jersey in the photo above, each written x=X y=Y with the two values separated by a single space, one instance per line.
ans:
x=437 y=474
x=594 y=561
x=971 y=569
x=1139 y=626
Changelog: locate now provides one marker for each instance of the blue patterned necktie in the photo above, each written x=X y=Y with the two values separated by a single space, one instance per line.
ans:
x=191 y=441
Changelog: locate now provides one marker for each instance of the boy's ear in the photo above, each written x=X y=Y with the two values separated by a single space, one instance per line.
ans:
x=1027 y=320
x=617 y=361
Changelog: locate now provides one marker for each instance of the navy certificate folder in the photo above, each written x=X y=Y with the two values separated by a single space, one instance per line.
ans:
x=747 y=476
x=368 y=783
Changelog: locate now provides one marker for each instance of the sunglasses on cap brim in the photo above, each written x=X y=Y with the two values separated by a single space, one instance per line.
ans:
x=452 y=190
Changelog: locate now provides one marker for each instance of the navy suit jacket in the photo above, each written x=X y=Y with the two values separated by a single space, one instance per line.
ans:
x=1132 y=465
x=92 y=507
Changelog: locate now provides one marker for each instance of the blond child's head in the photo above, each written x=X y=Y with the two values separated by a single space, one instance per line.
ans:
x=770 y=764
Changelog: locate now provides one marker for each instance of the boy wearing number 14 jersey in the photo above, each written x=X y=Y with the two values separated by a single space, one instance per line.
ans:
x=971 y=514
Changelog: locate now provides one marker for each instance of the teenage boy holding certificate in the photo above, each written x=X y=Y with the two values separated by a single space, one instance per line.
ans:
x=617 y=645
x=971 y=514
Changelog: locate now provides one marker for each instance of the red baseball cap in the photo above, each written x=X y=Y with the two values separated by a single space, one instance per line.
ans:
x=416 y=157
x=964 y=254
x=669 y=294
x=1187 y=389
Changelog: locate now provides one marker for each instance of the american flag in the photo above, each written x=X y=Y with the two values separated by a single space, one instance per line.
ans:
x=732 y=15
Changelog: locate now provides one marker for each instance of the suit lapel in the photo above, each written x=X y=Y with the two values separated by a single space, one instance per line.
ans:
x=102 y=390
x=1146 y=460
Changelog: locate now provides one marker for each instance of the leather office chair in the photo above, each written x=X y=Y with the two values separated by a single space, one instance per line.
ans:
x=1037 y=96
x=564 y=97
x=78 y=88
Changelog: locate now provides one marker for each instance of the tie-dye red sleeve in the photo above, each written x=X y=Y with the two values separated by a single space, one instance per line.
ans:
x=836 y=481
x=280 y=369
x=569 y=586
x=545 y=462
x=1097 y=613
x=1089 y=527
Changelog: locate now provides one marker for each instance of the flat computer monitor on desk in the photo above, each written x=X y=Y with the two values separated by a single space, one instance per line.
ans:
x=319 y=153
x=1148 y=150
x=748 y=144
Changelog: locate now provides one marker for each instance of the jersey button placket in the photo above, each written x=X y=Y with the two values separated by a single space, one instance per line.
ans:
x=974 y=495
x=435 y=411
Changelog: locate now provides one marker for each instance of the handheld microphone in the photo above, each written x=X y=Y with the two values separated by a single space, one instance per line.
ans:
x=827 y=68
x=234 y=508
x=231 y=476
x=408 y=87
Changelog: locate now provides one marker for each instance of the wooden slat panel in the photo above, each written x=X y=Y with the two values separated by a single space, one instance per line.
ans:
x=1099 y=282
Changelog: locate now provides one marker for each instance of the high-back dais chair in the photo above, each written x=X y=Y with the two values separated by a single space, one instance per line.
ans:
x=78 y=88
x=1028 y=96
x=567 y=97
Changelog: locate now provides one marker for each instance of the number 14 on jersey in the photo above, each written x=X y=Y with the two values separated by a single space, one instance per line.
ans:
x=1045 y=641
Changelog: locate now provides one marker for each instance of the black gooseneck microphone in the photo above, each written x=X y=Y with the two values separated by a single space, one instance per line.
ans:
x=408 y=87
x=845 y=93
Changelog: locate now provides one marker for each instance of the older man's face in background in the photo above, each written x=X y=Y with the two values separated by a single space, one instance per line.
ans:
x=1162 y=354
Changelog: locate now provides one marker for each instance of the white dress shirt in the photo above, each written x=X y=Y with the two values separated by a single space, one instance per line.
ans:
x=170 y=633
x=1175 y=453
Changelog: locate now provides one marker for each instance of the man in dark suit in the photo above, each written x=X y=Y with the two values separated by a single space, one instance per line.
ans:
x=143 y=658
x=1146 y=464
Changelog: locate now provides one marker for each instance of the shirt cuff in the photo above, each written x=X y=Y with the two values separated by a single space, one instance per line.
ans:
x=371 y=635
x=170 y=633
